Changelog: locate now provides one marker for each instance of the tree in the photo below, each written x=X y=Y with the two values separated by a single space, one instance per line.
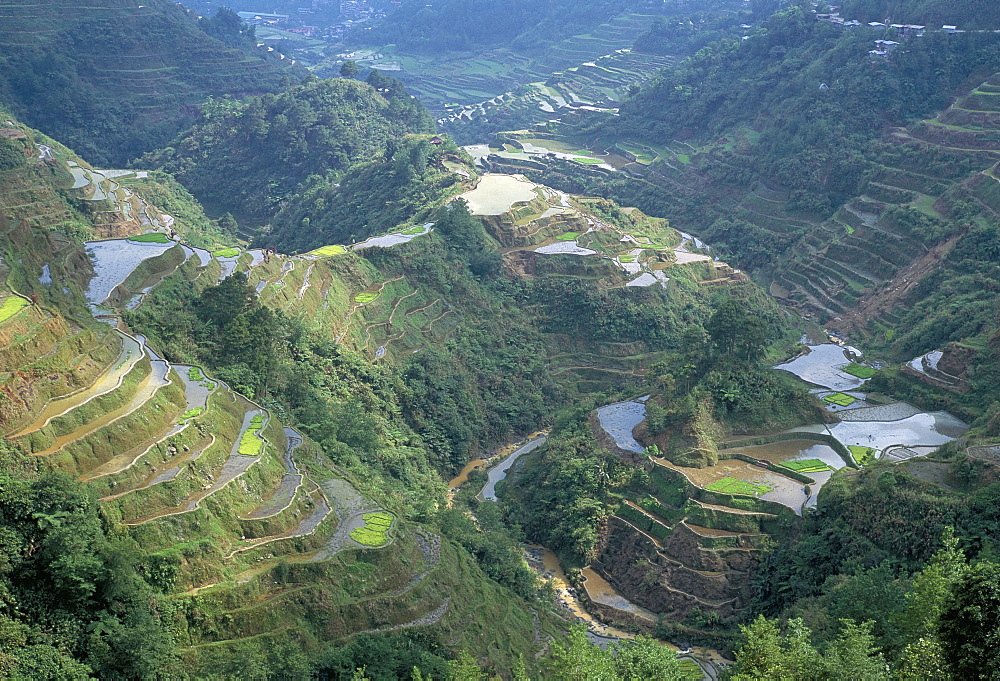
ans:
x=762 y=655
x=853 y=656
x=578 y=659
x=464 y=669
x=736 y=333
x=350 y=69
x=221 y=304
x=932 y=588
x=970 y=623
x=923 y=659
x=644 y=658
x=767 y=654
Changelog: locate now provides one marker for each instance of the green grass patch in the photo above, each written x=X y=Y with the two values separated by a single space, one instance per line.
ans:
x=226 y=253
x=376 y=529
x=863 y=456
x=365 y=297
x=684 y=158
x=840 y=399
x=730 y=485
x=586 y=160
x=327 y=251
x=627 y=258
x=859 y=370
x=690 y=670
x=568 y=236
x=250 y=442
x=194 y=374
x=11 y=306
x=414 y=230
x=191 y=413
x=151 y=238
x=806 y=466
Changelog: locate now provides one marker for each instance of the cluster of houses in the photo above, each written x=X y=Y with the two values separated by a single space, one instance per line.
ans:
x=884 y=47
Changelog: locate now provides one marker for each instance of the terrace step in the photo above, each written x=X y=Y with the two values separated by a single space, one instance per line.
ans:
x=110 y=380
x=235 y=466
x=166 y=471
x=308 y=525
x=289 y=486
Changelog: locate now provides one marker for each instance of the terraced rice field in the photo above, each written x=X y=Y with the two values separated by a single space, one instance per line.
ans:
x=807 y=466
x=375 y=531
x=729 y=485
x=11 y=306
x=327 y=251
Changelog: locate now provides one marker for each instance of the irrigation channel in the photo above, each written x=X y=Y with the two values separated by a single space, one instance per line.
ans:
x=546 y=564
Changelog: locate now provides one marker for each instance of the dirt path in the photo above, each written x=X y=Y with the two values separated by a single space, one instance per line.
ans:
x=893 y=291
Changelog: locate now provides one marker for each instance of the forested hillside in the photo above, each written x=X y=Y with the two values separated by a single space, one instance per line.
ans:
x=248 y=156
x=459 y=25
x=310 y=391
x=88 y=76
x=965 y=14
x=832 y=172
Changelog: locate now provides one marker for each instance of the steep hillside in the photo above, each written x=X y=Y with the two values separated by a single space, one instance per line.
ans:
x=247 y=157
x=831 y=177
x=217 y=505
x=255 y=545
x=965 y=14
x=116 y=79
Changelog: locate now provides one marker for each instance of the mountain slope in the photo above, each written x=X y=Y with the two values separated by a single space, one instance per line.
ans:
x=248 y=157
x=117 y=79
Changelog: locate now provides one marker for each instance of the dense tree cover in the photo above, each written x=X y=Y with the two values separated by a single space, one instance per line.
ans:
x=688 y=34
x=769 y=654
x=459 y=25
x=248 y=156
x=74 y=76
x=966 y=14
x=872 y=553
x=401 y=185
x=227 y=27
x=776 y=74
x=12 y=154
x=75 y=603
x=385 y=658
x=561 y=496
x=970 y=623
x=577 y=658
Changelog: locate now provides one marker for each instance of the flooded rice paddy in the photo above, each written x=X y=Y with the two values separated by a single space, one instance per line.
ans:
x=196 y=392
x=649 y=278
x=495 y=194
x=387 y=240
x=114 y=260
x=228 y=266
x=600 y=591
x=822 y=365
x=620 y=419
x=565 y=248
x=926 y=429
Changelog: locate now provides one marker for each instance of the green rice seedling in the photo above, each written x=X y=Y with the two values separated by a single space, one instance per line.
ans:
x=859 y=370
x=11 y=306
x=150 y=238
x=840 y=399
